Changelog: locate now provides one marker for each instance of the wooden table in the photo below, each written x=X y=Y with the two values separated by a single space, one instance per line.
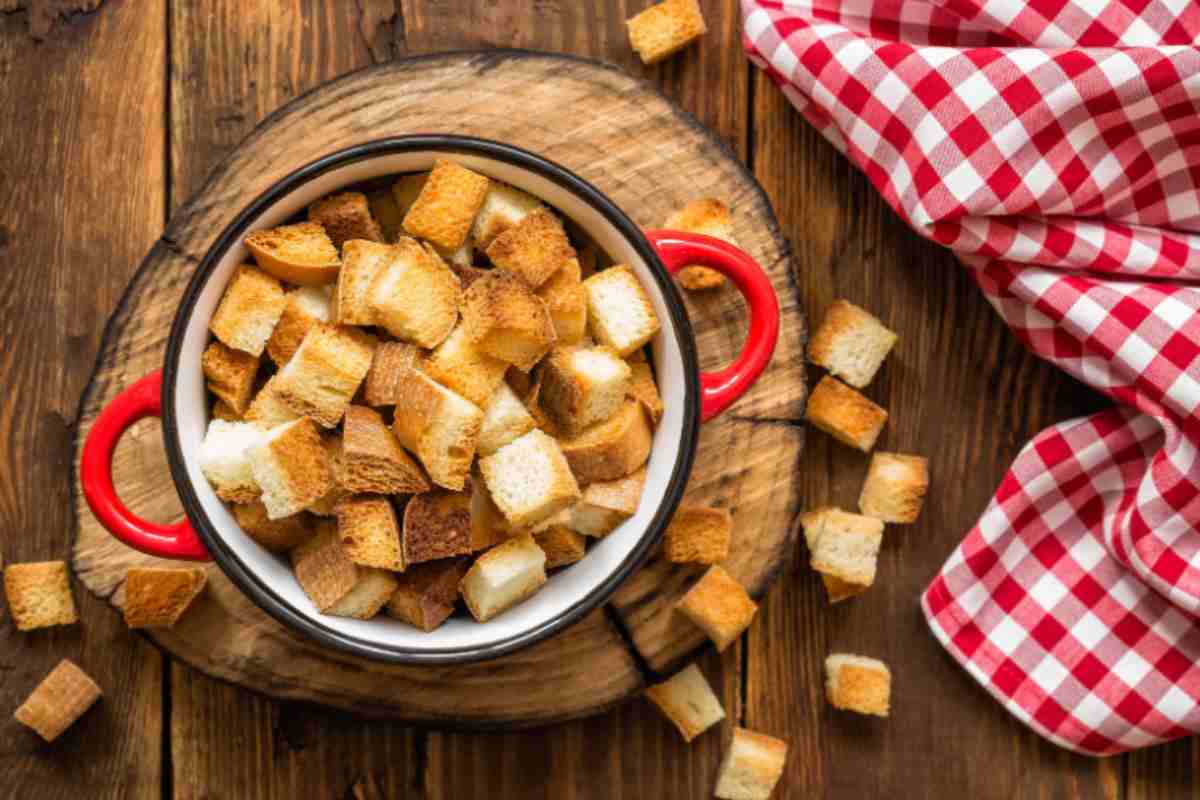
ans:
x=111 y=119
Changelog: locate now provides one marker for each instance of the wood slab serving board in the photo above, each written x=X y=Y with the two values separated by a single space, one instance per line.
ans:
x=650 y=157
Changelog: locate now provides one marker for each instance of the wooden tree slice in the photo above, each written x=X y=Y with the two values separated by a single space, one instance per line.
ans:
x=650 y=157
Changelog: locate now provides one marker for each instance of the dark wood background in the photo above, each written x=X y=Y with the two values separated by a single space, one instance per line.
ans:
x=112 y=117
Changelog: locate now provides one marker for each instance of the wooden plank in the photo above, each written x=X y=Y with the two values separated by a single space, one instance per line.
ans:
x=233 y=63
x=1166 y=772
x=81 y=171
x=946 y=737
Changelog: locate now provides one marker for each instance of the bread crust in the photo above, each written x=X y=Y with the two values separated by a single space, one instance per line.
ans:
x=276 y=535
x=302 y=253
x=369 y=532
x=533 y=249
x=229 y=374
x=427 y=593
x=372 y=460
x=611 y=449
x=387 y=370
x=561 y=545
x=323 y=569
x=157 y=597
x=446 y=207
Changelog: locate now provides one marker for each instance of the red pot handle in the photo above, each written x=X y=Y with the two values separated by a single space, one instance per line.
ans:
x=677 y=250
x=142 y=399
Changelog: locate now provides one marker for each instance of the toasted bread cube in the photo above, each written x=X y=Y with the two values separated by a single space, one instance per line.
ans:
x=620 y=314
x=387 y=212
x=229 y=374
x=415 y=297
x=39 y=595
x=226 y=461
x=858 y=683
x=370 y=594
x=292 y=467
x=845 y=414
x=334 y=583
x=533 y=249
x=222 y=410
x=606 y=504
x=304 y=309
x=61 y=698
x=276 y=535
x=751 y=767
x=582 y=386
x=361 y=263
x=326 y=505
x=392 y=360
x=460 y=365
x=895 y=487
x=847 y=548
x=851 y=343
x=529 y=479
x=437 y=525
x=504 y=576
x=708 y=217
x=371 y=461
x=438 y=426
x=156 y=597
x=324 y=374
x=643 y=389
x=507 y=321
x=561 y=545
x=564 y=296
x=369 y=532
x=505 y=419
x=302 y=254
x=611 y=449
x=719 y=606
x=468 y=274
x=446 y=207
x=663 y=30
x=687 y=701
x=427 y=593
x=698 y=534
x=249 y=310
x=406 y=190
x=345 y=216
x=488 y=526
x=267 y=410
x=503 y=207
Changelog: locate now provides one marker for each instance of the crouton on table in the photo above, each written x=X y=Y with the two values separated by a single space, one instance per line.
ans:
x=845 y=414
x=39 y=595
x=687 y=700
x=851 y=343
x=666 y=28
x=719 y=606
x=751 y=767
x=58 y=701
x=858 y=683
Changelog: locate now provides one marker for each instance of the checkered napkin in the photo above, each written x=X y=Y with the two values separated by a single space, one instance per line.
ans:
x=1054 y=145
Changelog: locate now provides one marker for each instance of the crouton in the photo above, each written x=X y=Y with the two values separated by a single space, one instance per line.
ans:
x=372 y=590
x=752 y=765
x=850 y=343
x=488 y=525
x=698 y=534
x=276 y=535
x=222 y=410
x=611 y=449
x=39 y=595
x=503 y=207
x=361 y=264
x=581 y=386
x=458 y=364
x=345 y=216
x=267 y=410
x=58 y=701
x=225 y=459
x=505 y=418
x=664 y=29
x=304 y=309
x=566 y=300
x=249 y=310
x=606 y=504
x=507 y=321
x=708 y=217
x=292 y=468
x=324 y=571
x=415 y=297
x=561 y=545
x=322 y=377
x=406 y=190
x=467 y=275
x=529 y=479
x=438 y=426
x=504 y=576
x=533 y=404
x=156 y=597
x=437 y=525
x=426 y=593
x=838 y=590
x=858 y=683
x=845 y=414
x=391 y=361
x=894 y=490
x=846 y=547
x=620 y=314
x=719 y=606
x=387 y=213
x=533 y=249
x=302 y=254
x=446 y=207
x=643 y=389
x=326 y=505
x=371 y=461
x=369 y=532
x=687 y=701
x=229 y=374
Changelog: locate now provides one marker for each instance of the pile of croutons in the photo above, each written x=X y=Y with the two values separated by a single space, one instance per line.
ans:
x=428 y=391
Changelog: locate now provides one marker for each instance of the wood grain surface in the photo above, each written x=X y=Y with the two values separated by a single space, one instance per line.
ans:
x=124 y=110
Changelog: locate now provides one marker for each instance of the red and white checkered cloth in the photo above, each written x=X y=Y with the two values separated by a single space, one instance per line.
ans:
x=1055 y=146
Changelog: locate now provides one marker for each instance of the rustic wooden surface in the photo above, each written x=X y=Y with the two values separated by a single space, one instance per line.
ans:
x=113 y=119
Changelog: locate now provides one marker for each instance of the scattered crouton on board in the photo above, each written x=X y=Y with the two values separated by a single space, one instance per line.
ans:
x=857 y=683
x=39 y=595
x=751 y=767
x=845 y=414
x=687 y=700
x=719 y=606
x=666 y=28
x=58 y=701
x=156 y=597
x=708 y=217
x=698 y=534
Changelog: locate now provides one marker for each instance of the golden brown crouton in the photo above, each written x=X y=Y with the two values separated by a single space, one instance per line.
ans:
x=751 y=767
x=326 y=505
x=60 y=699
x=248 y=311
x=437 y=525
x=369 y=532
x=505 y=418
x=276 y=535
x=858 y=683
x=708 y=217
x=533 y=249
x=446 y=207
x=687 y=701
x=305 y=308
x=845 y=414
x=643 y=389
x=561 y=545
x=323 y=569
x=467 y=275
x=664 y=29
x=415 y=297
x=438 y=426
x=157 y=597
x=503 y=208
x=698 y=534
x=225 y=459
x=507 y=321
x=719 y=606
x=345 y=216
x=620 y=313
x=229 y=374
x=302 y=253
x=504 y=576
x=844 y=546
x=606 y=504
x=582 y=386
x=895 y=487
x=323 y=375
x=291 y=467
x=406 y=190
x=39 y=595
x=529 y=479
x=362 y=262
x=267 y=410
x=459 y=364
x=427 y=593
x=566 y=300
x=611 y=449
x=371 y=461
x=488 y=526
x=851 y=343
x=391 y=361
